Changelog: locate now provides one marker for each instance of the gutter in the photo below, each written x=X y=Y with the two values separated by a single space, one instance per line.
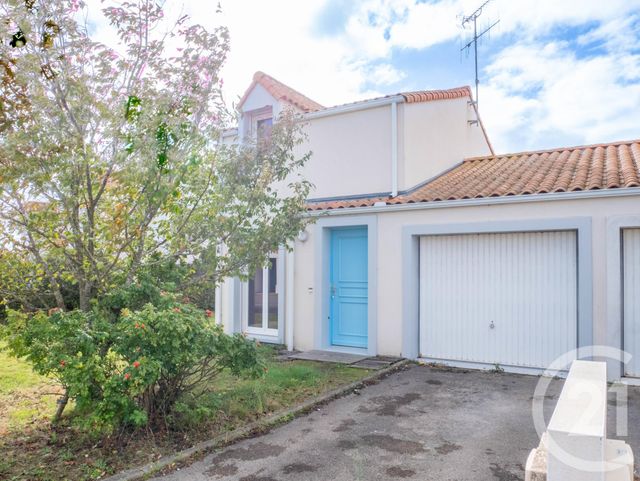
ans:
x=354 y=107
x=486 y=201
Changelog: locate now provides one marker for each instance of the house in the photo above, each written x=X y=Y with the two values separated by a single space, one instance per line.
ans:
x=427 y=244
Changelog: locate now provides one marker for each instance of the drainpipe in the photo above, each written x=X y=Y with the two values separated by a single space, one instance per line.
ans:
x=394 y=148
x=289 y=295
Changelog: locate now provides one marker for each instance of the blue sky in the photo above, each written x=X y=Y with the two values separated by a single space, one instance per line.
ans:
x=553 y=72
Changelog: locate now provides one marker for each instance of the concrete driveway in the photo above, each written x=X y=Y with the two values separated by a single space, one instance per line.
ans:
x=421 y=423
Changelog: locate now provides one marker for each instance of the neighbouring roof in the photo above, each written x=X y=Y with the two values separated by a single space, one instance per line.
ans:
x=281 y=92
x=590 y=167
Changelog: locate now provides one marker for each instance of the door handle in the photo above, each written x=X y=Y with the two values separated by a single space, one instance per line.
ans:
x=333 y=291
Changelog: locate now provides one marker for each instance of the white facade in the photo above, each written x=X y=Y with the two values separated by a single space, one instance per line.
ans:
x=598 y=220
x=537 y=275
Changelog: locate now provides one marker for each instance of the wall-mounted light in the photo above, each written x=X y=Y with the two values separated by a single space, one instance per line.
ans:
x=303 y=236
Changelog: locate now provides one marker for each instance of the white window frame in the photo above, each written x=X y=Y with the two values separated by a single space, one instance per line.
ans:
x=265 y=333
x=257 y=115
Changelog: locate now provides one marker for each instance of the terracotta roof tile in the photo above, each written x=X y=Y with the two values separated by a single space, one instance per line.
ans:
x=592 y=167
x=429 y=95
x=282 y=92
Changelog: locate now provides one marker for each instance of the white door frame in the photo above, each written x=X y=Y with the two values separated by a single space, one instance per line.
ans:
x=264 y=334
x=411 y=276
x=322 y=256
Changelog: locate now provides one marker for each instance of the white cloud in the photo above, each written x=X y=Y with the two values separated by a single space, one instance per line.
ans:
x=277 y=38
x=539 y=94
x=427 y=24
x=386 y=74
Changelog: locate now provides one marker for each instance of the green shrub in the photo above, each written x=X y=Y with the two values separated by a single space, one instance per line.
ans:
x=131 y=371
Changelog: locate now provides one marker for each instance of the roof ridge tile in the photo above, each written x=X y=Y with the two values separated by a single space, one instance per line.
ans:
x=280 y=91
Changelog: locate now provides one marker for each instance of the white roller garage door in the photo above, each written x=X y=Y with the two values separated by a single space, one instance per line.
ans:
x=506 y=298
x=631 y=297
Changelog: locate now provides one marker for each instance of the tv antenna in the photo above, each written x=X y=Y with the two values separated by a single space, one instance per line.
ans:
x=467 y=19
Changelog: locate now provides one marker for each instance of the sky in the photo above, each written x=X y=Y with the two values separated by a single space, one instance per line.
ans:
x=553 y=73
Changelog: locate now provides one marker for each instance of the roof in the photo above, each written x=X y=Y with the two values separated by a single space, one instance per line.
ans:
x=429 y=95
x=590 y=167
x=281 y=92
x=415 y=96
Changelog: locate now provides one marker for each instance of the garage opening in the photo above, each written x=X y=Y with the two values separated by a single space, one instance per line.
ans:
x=631 y=299
x=499 y=298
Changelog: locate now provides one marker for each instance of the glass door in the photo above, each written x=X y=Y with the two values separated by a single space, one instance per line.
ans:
x=262 y=300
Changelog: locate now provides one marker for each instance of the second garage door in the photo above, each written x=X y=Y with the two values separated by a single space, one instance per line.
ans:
x=631 y=296
x=505 y=298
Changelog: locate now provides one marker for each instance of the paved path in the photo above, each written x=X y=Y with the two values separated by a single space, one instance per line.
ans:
x=419 y=424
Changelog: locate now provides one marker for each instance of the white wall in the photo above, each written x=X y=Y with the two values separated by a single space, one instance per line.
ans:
x=390 y=275
x=259 y=98
x=435 y=136
x=352 y=151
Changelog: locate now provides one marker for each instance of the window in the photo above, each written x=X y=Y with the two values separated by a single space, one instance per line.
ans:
x=262 y=300
x=264 y=128
x=255 y=299
x=272 y=295
x=259 y=123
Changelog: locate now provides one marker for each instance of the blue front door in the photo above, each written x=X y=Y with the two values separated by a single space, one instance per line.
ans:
x=349 y=287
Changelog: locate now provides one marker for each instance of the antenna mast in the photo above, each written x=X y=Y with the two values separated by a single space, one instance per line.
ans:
x=474 y=41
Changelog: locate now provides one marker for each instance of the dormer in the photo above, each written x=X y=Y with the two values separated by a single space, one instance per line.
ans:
x=263 y=102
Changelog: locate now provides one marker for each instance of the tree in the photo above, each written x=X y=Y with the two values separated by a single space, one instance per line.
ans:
x=111 y=156
x=130 y=371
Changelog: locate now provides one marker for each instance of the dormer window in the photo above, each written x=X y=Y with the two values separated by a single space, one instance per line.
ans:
x=263 y=128
x=259 y=123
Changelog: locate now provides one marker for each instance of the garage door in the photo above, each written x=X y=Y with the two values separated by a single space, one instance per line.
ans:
x=506 y=298
x=631 y=297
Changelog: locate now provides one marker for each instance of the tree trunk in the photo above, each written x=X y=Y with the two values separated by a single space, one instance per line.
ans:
x=57 y=293
x=62 y=403
x=84 y=293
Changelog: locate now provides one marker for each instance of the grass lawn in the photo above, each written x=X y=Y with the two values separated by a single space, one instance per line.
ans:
x=30 y=449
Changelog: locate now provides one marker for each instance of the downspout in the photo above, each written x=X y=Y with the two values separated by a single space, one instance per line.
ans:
x=394 y=148
x=289 y=296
